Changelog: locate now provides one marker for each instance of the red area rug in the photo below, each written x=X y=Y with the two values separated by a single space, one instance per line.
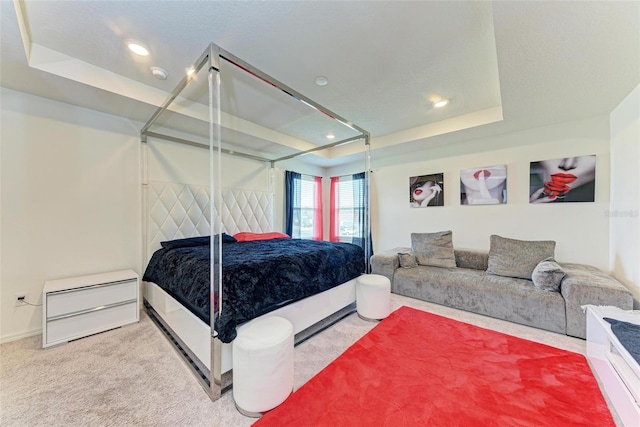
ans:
x=419 y=369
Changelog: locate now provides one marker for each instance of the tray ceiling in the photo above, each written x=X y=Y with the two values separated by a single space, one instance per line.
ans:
x=504 y=66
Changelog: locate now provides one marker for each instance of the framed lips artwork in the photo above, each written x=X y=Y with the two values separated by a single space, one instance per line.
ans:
x=567 y=179
x=485 y=185
x=426 y=190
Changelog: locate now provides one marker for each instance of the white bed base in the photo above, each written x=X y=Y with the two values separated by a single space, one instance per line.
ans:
x=196 y=334
x=618 y=372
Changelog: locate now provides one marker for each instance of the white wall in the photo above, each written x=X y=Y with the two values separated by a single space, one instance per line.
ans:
x=624 y=215
x=70 y=200
x=71 y=194
x=175 y=162
x=581 y=230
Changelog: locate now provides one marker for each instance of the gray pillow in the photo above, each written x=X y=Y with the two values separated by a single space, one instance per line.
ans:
x=407 y=259
x=435 y=249
x=547 y=275
x=517 y=258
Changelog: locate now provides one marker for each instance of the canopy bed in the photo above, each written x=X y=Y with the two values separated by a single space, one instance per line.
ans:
x=200 y=291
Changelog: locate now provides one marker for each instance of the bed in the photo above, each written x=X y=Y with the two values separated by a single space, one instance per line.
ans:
x=259 y=276
x=185 y=271
x=178 y=288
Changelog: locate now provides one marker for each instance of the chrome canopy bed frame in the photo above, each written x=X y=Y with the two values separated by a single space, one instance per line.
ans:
x=179 y=210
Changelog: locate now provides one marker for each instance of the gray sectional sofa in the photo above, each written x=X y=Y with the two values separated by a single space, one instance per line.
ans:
x=468 y=286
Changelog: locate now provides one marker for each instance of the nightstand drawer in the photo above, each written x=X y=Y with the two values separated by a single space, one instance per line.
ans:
x=68 y=328
x=67 y=302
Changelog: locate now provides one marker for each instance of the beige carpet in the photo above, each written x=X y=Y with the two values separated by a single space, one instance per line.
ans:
x=132 y=376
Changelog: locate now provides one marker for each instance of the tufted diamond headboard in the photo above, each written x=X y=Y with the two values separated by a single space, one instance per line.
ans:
x=176 y=211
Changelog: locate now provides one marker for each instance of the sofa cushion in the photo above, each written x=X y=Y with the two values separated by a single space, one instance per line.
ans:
x=547 y=275
x=517 y=258
x=434 y=249
x=407 y=259
x=515 y=300
x=468 y=258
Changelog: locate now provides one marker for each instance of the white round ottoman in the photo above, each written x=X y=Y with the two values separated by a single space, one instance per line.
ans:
x=373 y=297
x=262 y=365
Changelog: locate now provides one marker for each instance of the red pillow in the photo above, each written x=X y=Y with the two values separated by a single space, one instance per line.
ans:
x=246 y=236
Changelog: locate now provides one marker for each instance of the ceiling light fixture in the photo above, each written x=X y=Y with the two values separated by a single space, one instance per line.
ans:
x=159 y=73
x=322 y=81
x=137 y=48
x=441 y=103
x=190 y=71
x=331 y=136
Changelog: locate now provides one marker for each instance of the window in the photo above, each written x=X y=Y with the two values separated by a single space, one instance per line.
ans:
x=303 y=206
x=347 y=208
x=310 y=207
x=349 y=214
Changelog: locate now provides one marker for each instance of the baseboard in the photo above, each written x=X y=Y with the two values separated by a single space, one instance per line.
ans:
x=18 y=336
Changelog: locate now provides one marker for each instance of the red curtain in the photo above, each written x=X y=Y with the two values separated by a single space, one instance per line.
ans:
x=318 y=229
x=334 y=228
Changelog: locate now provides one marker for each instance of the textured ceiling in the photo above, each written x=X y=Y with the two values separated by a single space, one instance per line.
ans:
x=504 y=65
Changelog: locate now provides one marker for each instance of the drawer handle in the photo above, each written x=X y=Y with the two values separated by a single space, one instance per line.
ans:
x=91 y=310
x=97 y=285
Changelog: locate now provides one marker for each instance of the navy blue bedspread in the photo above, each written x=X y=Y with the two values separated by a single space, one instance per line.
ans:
x=628 y=334
x=258 y=277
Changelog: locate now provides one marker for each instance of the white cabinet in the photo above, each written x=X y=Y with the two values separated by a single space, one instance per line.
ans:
x=618 y=371
x=80 y=306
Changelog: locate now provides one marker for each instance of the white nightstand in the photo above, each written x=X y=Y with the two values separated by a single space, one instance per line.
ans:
x=80 y=306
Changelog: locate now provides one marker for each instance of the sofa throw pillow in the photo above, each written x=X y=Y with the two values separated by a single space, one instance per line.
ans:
x=407 y=259
x=547 y=275
x=434 y=249
x=517 y=258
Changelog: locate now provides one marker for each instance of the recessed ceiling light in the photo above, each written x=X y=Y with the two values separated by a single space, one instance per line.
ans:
x=159 y=73
x=330 y=136
x=441 y=103
x=137 y=48
x=322 y=81
x=190 y=71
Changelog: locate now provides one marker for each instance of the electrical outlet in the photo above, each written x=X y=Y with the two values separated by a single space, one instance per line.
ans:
x=20 y=298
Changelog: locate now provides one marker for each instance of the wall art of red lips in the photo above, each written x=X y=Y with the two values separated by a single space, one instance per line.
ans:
x=558 y=186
